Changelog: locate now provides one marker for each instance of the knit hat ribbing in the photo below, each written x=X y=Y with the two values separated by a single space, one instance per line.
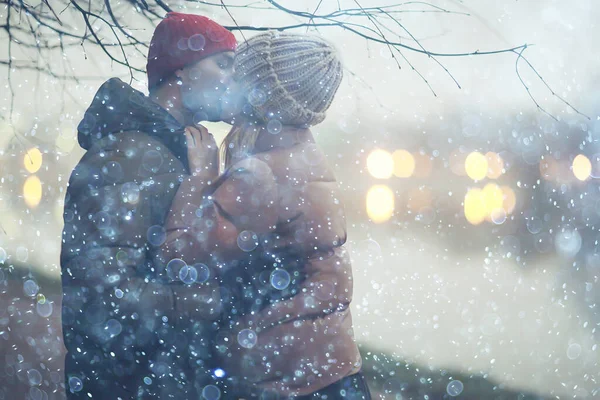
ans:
x=289 y=77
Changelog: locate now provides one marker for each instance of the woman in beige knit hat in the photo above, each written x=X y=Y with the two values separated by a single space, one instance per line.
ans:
x=274 y=226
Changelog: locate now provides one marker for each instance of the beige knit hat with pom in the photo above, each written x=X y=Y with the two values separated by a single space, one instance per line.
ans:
x=289 y=77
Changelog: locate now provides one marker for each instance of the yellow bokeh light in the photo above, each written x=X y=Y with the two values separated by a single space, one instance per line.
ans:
x=380 y=164
x=509 y=199
x=493 y=198
x=492 y=203
x=380 y=203
x=33 y=160
x=475 y=208
x=493 y=195
x=495 y=165
x=32 y=191
x=65 y=143
x=582 y=167
x=476 y=165
x=404 y=163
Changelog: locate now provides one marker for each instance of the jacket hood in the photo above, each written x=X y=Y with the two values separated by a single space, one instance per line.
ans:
x=117 y=107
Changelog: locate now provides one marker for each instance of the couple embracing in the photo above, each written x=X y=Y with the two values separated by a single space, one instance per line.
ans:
x=183 y=283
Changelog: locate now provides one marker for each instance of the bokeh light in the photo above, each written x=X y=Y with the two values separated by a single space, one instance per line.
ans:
x=509 y=199
x=476 y=165
x=404 y=163
x=474 y=206
x=493 y=198
x=33 y=160
x=380 y=203
x=380 y=164
x=423 y=165
x=495 y=165
x=32 y=191
x=492 y=203
x=582 y=167
x=65 y=142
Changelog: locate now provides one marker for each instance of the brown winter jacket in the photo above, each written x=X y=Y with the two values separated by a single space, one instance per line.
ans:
x=284 y=196
x=123 y=319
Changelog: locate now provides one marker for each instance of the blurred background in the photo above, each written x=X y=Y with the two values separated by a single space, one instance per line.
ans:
x=469 y=183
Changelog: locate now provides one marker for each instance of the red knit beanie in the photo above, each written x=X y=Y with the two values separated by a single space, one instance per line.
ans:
x=182 y=39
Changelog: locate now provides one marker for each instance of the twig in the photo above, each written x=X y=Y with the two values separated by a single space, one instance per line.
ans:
x=519 y=57
x=89 y=25
x=314 y=12
x=423 y=48
x=52 y=10
x=233 y=19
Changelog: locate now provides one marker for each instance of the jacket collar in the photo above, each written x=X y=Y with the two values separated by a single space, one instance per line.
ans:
x=117 y=107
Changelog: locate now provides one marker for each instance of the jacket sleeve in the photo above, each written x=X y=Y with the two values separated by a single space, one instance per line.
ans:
x=327 y=288
x=222 y=221
x=317 y=223
x=112 y=270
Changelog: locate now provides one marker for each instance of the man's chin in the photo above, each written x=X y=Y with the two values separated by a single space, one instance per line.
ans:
x=214 y=119
x=211 y=116
x=223 y=113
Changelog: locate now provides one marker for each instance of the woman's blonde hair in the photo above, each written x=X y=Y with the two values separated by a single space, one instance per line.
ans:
x=240 y=141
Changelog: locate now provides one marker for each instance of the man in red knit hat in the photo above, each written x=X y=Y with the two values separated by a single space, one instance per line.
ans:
x=189 y=66
x=132 y=327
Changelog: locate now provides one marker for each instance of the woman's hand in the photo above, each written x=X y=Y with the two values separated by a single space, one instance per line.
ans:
x=203 y=153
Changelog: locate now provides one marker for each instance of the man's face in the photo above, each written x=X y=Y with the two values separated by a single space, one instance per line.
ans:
x=203 y=85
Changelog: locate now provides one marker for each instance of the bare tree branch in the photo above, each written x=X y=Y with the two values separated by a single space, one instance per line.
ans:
x=47 y=32
x=521 y=57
